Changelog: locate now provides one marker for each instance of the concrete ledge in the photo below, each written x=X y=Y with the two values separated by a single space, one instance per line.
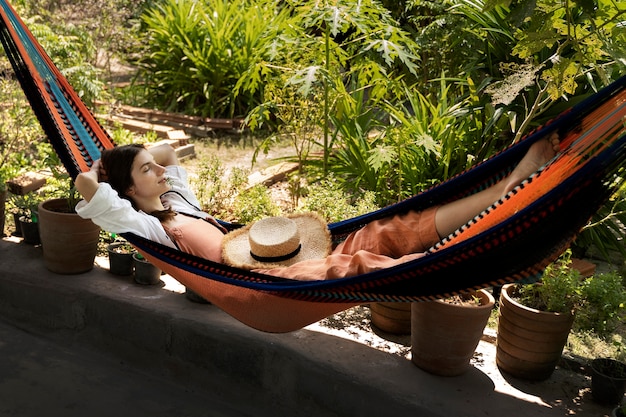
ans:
x=196 y=342
x=301 y=373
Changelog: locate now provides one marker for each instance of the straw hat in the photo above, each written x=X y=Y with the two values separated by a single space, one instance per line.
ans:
x=277 y=241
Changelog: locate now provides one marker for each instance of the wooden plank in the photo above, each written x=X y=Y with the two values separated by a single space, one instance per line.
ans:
x=138 y=126
x=272 y=174
x=182 y=148
x=179 y=135
x=584 y=267
x=25 y=183
x=161 y=117
x=185 y=151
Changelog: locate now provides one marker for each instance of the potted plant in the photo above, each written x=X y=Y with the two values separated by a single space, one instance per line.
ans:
x=70 y=243
x=7 y=171
x=393 y=318
x=120 y=257
x=608 y=380
x=145 y=272
x=24 y=208
x=445 y=333
x=535 y=320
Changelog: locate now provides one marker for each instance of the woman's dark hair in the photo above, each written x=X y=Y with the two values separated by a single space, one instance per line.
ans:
x=118 y=163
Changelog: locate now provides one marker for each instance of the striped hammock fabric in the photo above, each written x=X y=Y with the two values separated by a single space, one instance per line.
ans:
x=511 y=241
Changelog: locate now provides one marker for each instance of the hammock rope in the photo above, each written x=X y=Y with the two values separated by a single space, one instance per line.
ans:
x=511 y=241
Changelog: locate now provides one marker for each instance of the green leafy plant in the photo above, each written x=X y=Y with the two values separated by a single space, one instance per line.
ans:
x=561 y=49
x=464 y=299
x=123 y=247
x=25 y=206
x=252 y=204
x=329 y=200
x=598 y=301
x=215 y=188
x=428 y=138
x=342 y=52
x=296 y=120
x=72 y=49
x=604 y=232
x=198 y=51
x=604 y=303
x=61 y=184
x=18 y=131
x=560 y=289
x=228 y=196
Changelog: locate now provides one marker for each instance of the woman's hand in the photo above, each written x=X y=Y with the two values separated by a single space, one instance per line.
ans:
x=87 y=183
x=98 y=169
x=163 y=154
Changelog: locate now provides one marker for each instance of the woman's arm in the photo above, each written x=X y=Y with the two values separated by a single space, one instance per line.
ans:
x=164 y=155
x=87 y=183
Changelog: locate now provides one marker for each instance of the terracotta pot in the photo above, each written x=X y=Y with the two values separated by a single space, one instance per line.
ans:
x=530 y=342
x=394 y=318
x=444 y=336
x=69 y=242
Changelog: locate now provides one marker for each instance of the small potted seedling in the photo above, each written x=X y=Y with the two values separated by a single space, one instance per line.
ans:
x=145 y=272
x=120 y=257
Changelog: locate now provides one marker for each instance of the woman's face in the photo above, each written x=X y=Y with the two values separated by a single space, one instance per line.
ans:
x=149 y=179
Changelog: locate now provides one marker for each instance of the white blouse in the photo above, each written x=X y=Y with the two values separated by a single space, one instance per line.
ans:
x=116 y=215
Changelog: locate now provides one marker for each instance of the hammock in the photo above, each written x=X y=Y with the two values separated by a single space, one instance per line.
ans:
x=511 y=241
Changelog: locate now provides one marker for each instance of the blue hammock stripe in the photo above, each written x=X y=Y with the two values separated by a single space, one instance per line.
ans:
x=83 y=144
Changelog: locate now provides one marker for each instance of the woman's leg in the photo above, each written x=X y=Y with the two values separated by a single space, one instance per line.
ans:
x=394 y=236
x=451 y=216
x=416 y=232
x=402 y=238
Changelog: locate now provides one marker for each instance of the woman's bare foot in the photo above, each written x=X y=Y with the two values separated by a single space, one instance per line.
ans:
x=537 y=156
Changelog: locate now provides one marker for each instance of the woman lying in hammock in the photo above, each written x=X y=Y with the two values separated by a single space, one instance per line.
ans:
x=146 y=192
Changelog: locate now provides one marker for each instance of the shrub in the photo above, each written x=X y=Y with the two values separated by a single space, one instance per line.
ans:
x=604 y=298
x=328 y=199
x=252 y=204
x=197 y=52
x=215 y=189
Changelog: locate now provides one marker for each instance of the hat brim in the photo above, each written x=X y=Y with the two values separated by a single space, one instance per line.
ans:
x=314 y=238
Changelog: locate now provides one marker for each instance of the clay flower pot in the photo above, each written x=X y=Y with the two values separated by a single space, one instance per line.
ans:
x=393 y=318
x=69 y=242
x=530 y=342
x=445 y=335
